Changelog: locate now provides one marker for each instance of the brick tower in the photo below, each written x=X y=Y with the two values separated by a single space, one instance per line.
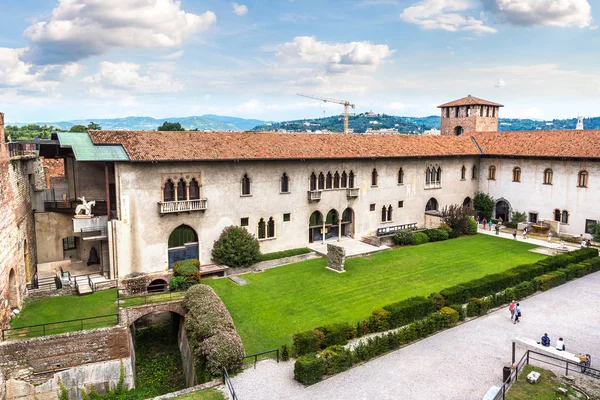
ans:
x=469 y=114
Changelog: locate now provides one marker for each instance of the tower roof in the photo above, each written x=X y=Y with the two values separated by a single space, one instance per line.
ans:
x=470 y=101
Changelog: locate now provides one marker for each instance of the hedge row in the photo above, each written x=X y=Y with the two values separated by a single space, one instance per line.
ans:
x=285 y=253
x=462 y=293
x=311 y=368
x=568 y=273
x=391 y=316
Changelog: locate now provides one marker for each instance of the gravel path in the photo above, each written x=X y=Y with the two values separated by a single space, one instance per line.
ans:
x=459 y=363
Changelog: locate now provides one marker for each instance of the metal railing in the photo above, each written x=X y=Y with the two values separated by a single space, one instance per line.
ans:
x=158 y=293
x=227 y=382
x=52 y=328
x=569 y=366
x=392 y=230
x=257 y=355
x=166 y=207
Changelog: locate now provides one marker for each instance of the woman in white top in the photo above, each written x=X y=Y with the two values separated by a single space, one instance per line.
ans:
x=560 y=345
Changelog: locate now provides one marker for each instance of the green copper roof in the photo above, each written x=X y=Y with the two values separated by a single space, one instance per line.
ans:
x=85 y=150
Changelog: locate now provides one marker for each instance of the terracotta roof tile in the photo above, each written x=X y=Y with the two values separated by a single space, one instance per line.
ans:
x=190 y=145
x=470 y=101
x=569 y=144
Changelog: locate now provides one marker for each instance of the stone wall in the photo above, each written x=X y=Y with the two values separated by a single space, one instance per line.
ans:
x=336 y=256
x=260 y=266
x=187 y=357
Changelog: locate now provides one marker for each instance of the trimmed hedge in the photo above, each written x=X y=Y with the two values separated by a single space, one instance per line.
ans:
x=307 y=342
x=451 y=315
x=437 y=235
x=285 y=253
x=471 y=226
x=420 y=238
x=337 y=359
x=550 y=280
x=236 y=247
x=186 y=273
x=336 y=334
x=309 y=369
x=404 y=238
x=477 y=307
x=379 y=320
x=409 y=310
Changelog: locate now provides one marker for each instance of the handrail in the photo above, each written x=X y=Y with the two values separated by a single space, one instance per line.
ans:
x=46 y=327
x=276 y=351
x=91 y=283
x=148 y=297
x=227 y=382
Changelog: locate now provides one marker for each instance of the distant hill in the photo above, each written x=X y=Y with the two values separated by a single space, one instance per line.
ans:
x=203 y=122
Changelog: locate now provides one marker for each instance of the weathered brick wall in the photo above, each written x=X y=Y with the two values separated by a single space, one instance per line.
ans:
x=36 y=360
x=54 y=168
x=17 y=236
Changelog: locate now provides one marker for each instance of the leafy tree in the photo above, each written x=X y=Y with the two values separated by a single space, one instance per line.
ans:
x=170 y=126
x=78 y=128
x=596 y=232
x=31 y=131
x=484 y=205
x=92 y=126
x=457 y=218
x=518 y=217
x=236 y=247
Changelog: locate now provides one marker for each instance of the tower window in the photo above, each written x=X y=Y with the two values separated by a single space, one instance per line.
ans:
x=457 y=112
x=245 y=185
x=492 y=173
x=285 y=183
x=463 y=173
x=400 y=176
x=374 y=177
x=582 y=179
x=516 y=174
x=548 y=176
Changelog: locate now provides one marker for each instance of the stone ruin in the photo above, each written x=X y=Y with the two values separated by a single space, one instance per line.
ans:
x=336 y=256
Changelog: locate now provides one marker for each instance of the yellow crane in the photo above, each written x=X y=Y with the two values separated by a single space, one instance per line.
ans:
x=345 y=103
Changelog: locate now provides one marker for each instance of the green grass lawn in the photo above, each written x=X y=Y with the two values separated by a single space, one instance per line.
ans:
x=545 y=388
x=282 y=301
x=206 y=394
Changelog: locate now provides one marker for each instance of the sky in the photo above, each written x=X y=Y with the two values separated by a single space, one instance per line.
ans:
x=80 y=59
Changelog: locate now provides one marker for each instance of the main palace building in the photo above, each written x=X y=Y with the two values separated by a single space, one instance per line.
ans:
x=165 y=196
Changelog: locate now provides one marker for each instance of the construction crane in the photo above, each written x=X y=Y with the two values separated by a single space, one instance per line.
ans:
x=345 y=103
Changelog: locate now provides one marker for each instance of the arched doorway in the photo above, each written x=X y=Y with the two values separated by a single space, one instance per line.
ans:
x=467 y=202
x=432 y=205
x=502 y=210
x=332 y=224
x=157 y=286
x=348 y=222
x=458 y=130
x=183 y=244
x=13 y=290
x=315 y=227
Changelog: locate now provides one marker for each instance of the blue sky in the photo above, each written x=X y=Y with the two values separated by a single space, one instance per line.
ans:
x=72 y=59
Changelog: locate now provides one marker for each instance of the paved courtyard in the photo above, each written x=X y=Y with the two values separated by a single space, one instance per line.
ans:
x=459 y=363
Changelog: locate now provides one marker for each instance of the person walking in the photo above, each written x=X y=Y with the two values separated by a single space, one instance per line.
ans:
x=517 y=313
x=484 y=223
x=525 y=233
x=511 y=308
x=549 y=237
x=497 y=229
x=478 y=220
x=490 y=225
x=515 y=234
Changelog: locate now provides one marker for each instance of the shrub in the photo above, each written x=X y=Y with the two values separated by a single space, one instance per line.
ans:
x=307 y=342
x=459 y=310
x=420 y=238
x=523 y=290
x=478 y=307
x=436 y=235
x=445 y=227
x=309 y=369
x=336 y=334
x=285 y=353
x=518 y=217
x=409 y=310
x=404 y=238
x=437 y=299
x=362 y=352
x=484 y=205
x=224 y=349
x=550 y=280
x=471 y=226
x=457 y=217
x=362 y=328
x=236 y=247
x=379 y=320
x=337 y=359
x=451 y=315
x=178 y=283
x=186 y=267
x=285 y=253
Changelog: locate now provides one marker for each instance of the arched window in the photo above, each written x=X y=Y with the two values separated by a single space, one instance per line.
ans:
x=492 y=173
x=432 y=205
x=432 y=176
x=285 y=183
x=313 y=181
x=400 y=176
x=181 y=190
x=582 y=179
x=516 y=174
x=246 y=185
x=329 y=181
x=321 y=181
x=565 y=217
x=374 y=177
x=271 y=228
x=463 y=173
x=336 y=180
x=182 y=235
x=316 y=219
x=438 y=175
x=332 y=217
x=389 y=213
x=169 y=191
x=344 y=182
x=351 y=180
x=384 y=214
x=548 y=176
x=557 y=215
x=474 y=172
x=194 y=189
x=262 y=229
x=428 y=175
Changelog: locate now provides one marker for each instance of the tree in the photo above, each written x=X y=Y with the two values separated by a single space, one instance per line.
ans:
x=78 y=128
x=518 y=217
x=236 y=247
x=596 y=231
x=92 y=126
x=170 y=126
x=484 y=205
x=457 y=217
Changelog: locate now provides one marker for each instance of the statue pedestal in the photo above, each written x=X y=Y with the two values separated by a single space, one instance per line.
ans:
x=84 y=216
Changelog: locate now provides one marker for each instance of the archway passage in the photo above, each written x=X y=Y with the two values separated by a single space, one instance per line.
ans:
x=458 y=130
x=157 y=286
x=503 y=210
x=467 y=202
x=332 y=224
x=183 y=244
x=348 y=222
x=315 y=227
x=432 y=205
x=13 y=290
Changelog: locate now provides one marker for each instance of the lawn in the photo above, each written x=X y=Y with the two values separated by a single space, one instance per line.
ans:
x=545 y=388
x=282 y=301
x=206 y=394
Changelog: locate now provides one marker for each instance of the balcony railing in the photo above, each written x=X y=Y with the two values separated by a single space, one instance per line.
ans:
x=352 y=192
x=167 y=207
x=433 y=185
x=314 y=195
x=16 y=149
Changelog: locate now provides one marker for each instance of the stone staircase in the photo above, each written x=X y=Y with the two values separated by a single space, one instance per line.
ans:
x=46 y=284
x=97 y=281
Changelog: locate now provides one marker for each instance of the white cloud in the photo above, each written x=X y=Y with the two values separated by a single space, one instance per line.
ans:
x=70 y=70
x=239 y=9
x=20 y=75
x=114 y=78
x=80 y=28
x=173 y=56
x=448 y=15
x=500 y=83
x=335 y=57
x=560 y=13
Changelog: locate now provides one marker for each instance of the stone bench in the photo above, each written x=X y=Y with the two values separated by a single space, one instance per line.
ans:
x=531 y=344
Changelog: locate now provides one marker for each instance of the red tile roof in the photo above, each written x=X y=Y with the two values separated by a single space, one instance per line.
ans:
x=562 y=144
x=470 y=101
x=192 y=146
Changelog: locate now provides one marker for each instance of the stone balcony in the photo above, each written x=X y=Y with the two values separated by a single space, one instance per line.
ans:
x=314 y=195
x=169 y=207
x=433 y=185
x=352 y=193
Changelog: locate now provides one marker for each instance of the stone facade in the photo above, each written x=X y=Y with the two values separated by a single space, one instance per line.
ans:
x=336 y=256
x=476 y=118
